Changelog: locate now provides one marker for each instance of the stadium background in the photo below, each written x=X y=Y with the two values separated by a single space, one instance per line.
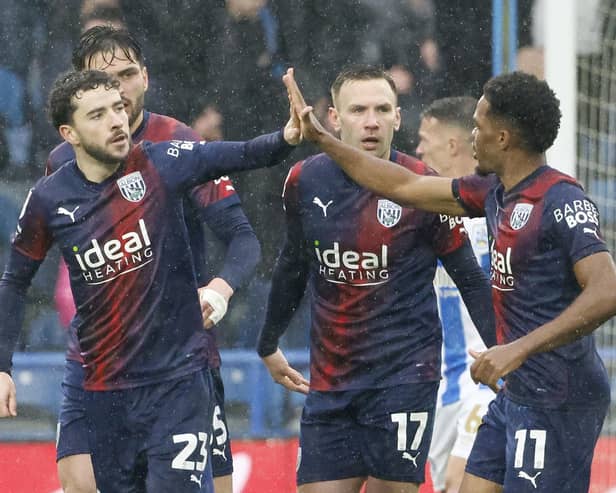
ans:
x=216 y=64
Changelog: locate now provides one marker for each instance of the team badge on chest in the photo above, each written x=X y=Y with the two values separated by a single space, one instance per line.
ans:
x=520 y=216
x=388 y=213
x=132 y=186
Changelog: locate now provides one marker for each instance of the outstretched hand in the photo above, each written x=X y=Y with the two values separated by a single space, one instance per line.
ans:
x=311 y=128
x=284 y=374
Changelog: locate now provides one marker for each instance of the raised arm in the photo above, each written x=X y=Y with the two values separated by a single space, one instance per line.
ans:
x=382 y=177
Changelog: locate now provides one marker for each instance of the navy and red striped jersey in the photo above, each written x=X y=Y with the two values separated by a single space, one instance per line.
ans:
x=210 y=199
x=126 y=246
x=371 y=264
x=537 y=231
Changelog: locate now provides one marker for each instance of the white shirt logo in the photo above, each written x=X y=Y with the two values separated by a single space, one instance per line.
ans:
x=532 y=479
x=409 y=457
x=388 y=213
x=592 y=231
x=317 y=201
x=132 y=186
x=520 y=216
x=221 y=452
x=65 y=212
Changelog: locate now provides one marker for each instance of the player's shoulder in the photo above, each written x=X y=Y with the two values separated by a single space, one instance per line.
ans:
x=548 y=181
x=59 y=155
x=411 y=163
x=162 y=127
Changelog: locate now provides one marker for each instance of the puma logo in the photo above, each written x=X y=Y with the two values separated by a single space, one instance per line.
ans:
x=216 y=451
x=317 y=201
x=532 y=479
x=196 y=479
x=407 y=456
x=592 y=232
x=66 y=212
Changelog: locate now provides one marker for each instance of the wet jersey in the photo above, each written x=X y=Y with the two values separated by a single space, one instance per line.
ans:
x=210 y=199
x=459 y=332
x=537 y=231
x=126 y=247
x=371 y=264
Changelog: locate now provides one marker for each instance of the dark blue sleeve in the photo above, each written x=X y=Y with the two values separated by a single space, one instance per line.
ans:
x=288 y=285
x=14 y=283
x=188 y=164
x=228 y=222
x=474 y=287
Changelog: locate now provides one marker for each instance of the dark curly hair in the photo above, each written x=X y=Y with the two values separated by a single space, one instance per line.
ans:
x=528 y=105
x=106 y=40
x=67 y=88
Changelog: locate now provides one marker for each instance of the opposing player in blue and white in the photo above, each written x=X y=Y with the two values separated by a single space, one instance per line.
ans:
x=126 y=246
x=553 y=284
x=369 y=265
x=445 y=145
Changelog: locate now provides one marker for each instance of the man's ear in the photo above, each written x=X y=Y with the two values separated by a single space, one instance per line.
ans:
x=398 y=121
x=146 y=78
x=334 y=118
x=67 y=132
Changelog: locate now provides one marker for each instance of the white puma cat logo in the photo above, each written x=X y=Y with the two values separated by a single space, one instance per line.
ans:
x=220 y=452
x=317 y=201
x=592 y=231
x=532 y=479
x=196 y=479
x=407 y=456
x=66 y=212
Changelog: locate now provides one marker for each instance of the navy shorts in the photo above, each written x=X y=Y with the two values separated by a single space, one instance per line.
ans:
x=72 y=430
x=156 y=436
x=383 y=433
x=222 y=460
x=532 y=450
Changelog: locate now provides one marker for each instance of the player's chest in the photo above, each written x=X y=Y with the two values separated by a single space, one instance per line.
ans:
x=117 y=210
x=351 y=214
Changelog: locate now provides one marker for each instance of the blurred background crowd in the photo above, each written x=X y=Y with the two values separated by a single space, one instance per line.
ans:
x=217 y=65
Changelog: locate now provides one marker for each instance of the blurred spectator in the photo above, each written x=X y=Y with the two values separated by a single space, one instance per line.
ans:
x=208 y=123
x=178 y=35
x=16 y=26
x=102 y=15
x=244 y=79
x=463 y=34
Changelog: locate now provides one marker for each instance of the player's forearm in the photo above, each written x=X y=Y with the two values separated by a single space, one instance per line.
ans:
x=395 y=182
x=595 y=305
x=241 y=259
x=224 y=158
x=475 y=289
x=380 y=176
x=288 y=285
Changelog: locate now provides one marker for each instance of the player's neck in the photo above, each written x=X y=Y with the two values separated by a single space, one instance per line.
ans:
x=518 y=167
x=94 y=170
x=137 y=123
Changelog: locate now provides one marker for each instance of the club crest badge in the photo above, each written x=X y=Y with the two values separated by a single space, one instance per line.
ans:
x=520 y=216
x=132 y=186
x=388 y=213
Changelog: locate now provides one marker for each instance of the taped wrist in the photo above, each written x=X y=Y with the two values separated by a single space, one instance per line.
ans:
x=217 y=302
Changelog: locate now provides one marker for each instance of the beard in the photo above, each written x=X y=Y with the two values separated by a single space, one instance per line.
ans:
x=100 y=154
x=137 y=108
